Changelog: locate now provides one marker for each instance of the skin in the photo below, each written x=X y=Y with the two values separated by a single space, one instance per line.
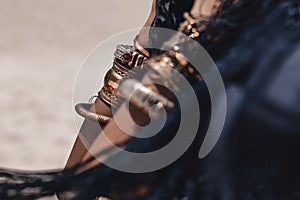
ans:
x=207 y=8
x=79 y=151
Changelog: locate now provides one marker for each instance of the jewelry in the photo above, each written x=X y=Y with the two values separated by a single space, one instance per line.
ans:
x=177 y=61
x=129 y=57
x=191 y=26
x=123 y=52
x=126 y=58
x=143 y=97
x=139 y=47
x=83 y=110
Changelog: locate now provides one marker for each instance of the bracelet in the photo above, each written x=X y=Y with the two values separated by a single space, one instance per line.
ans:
x=126 y=58
x=83 y=110
x=143 y=97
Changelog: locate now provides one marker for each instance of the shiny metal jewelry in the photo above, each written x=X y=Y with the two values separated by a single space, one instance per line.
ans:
x=190 y=26
x=177 y=61
x=126 y=58
x=143 y=97
x=83 y=110
x=140 y=48
x=129 y=57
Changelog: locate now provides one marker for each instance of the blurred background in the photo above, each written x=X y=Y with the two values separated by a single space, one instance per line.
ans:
x=42 y=45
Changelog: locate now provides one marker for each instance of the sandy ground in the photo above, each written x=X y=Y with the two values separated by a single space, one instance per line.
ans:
x=42 y=44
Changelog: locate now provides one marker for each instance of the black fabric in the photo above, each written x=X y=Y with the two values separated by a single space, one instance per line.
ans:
x=169 y=14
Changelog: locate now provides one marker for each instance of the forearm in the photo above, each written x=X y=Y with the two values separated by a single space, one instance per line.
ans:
x=79 y=149
x=200 y=9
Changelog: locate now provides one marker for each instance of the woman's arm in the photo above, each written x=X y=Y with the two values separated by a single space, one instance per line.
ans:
x=90 y=128
x=79 y=154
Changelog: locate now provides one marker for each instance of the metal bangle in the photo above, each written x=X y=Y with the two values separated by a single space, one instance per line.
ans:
x=129 y=57
x=83 y=110
x=143 y=97
x=109 y=98
x=126 y=58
